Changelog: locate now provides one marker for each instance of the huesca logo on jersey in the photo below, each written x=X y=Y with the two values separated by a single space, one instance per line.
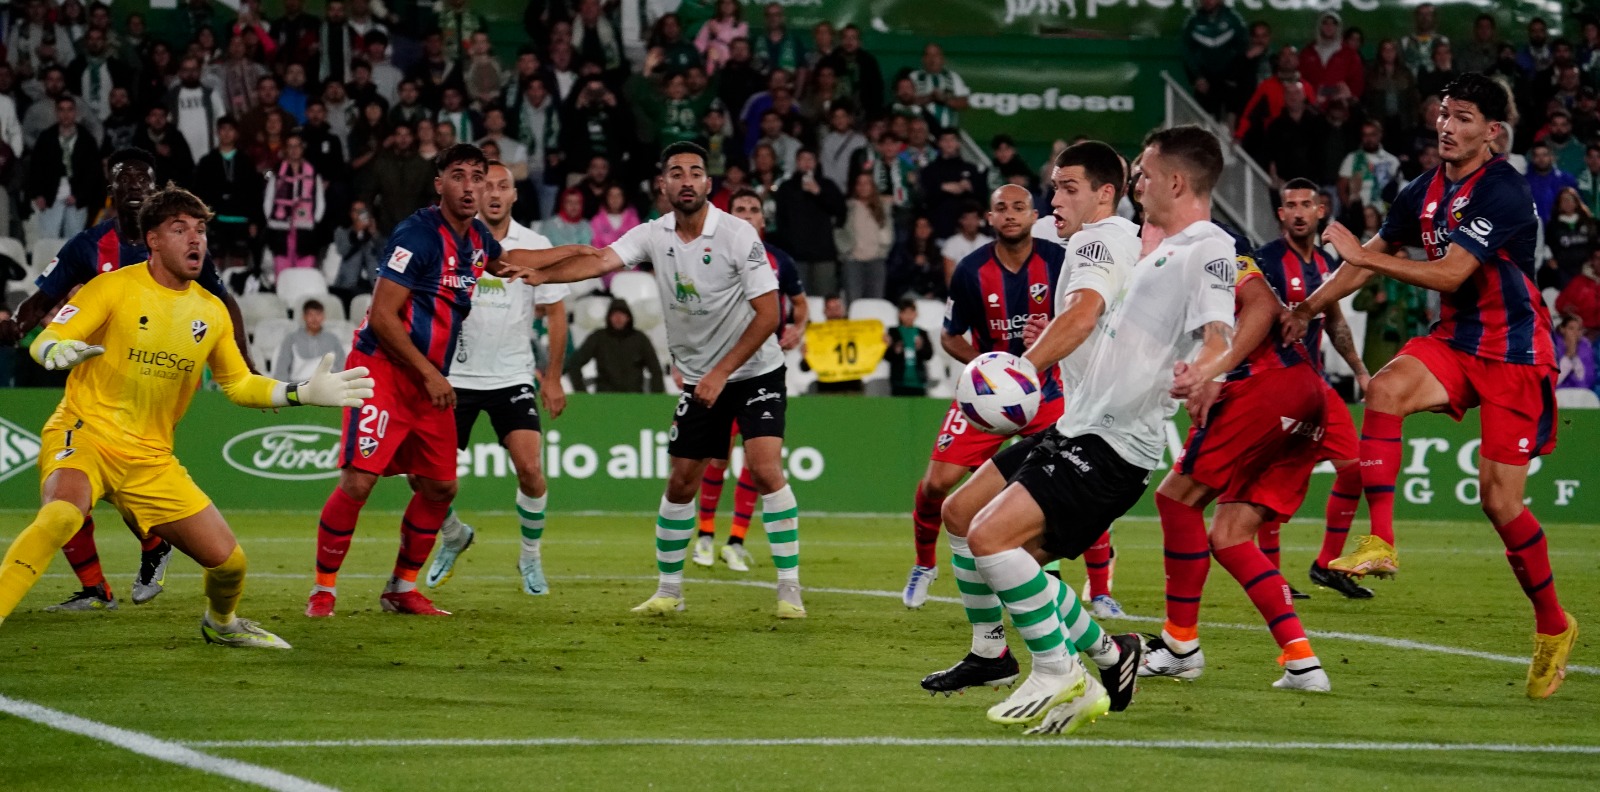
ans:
x=197 y=328
x=367 y=445
x=1038 y=291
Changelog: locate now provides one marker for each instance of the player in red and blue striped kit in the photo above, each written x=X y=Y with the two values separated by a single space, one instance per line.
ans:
x=1492 y=348
x=994 y=292
x=106 y=247
x=407 y=340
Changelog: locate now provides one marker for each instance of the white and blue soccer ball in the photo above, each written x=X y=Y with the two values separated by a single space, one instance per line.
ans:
x=998 y=392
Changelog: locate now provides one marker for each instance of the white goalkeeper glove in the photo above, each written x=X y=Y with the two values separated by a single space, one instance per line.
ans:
x=62 y=355
x=327 y=388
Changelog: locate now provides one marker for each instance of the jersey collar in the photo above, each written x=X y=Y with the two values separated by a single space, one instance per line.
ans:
x=713 y=219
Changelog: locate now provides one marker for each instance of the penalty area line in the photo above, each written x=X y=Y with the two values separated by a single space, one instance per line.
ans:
x=850 y=742
x=156 y=748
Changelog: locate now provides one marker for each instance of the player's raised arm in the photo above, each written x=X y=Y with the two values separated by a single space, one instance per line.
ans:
x=1345 y=281
x=513 y=262
x=325 y=388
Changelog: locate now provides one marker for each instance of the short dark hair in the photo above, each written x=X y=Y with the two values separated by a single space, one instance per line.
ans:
x=683 y=147
x=228 y=121
x=312 y=305
x=169 y=202
x=375 y=37
x=1299 y=183
x=130 y=154
x=741 y=194
x=970 y=207
x=1002 y=139
x=1485 y=18
x=908 y=303
x=1195 y=148
x=1100 y=162
x=1489 y=96
x=459 y=153
x=271 y=78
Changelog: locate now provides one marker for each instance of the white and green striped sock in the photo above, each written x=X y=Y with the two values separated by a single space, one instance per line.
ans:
x=1025 y=589
x=452 y=531
x=1082 y=632
x=530 y=515
x=674 y=528
x=781 y=516
x=984 y=610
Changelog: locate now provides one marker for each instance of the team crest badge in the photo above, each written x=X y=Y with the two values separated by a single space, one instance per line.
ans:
x=198 y=329
x=367 y=445
x=1457 y=205
x=1038 y=291
x=945 y=440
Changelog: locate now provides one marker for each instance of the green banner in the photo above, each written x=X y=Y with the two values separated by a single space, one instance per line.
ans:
x=845 y=454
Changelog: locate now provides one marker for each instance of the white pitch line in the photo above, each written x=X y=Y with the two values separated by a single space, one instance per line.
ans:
x=156 y=748
x=847 y=742
x=1376 y=640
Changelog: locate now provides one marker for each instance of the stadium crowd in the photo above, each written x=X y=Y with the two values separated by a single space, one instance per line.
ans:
x=310 y=135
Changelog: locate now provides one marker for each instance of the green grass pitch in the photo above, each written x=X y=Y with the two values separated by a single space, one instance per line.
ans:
x=577 y=666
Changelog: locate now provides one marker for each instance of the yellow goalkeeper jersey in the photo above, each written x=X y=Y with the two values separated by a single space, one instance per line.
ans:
x=158 y=341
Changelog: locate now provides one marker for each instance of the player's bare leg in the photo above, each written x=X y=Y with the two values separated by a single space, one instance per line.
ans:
x=1555 y=631
x=67 y=497
x=926 y=514
x=206 y=538
x=780 y=516
x=1233 y=534
x=1003 y=537
x=675 y=525
x=1401 y=388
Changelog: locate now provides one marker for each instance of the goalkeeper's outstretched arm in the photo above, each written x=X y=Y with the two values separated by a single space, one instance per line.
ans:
x=325 y=388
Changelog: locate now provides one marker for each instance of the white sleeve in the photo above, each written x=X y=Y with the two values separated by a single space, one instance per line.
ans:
x=754 y=271
x=1348 y=166
x=1211 y=280
x=1091 y=265
x=634 y=247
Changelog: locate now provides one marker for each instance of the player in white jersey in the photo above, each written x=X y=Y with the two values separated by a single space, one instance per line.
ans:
x=720 y=298
x=1102 y=248
x=1075 y=479
x=493 y=373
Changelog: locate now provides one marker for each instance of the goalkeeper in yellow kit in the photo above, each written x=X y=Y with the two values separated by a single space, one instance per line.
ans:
x=138 y=340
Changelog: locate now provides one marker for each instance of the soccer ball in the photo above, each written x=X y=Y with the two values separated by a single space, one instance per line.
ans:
x=998 y=392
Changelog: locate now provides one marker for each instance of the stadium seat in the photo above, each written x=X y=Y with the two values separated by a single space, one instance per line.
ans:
x=589 y=312
x=267 y=336
x=12 y=248
x=330 y=264
x=30 y=230
x=261 y=306
x=297 y=284
x=332 y=307
x=341 y=330
x=358 y=307
x=814 y=304
x=581 y=289
x=1577 y=398
x=875 y=308
x=41 y=251
x=1550 y=296
x=643 y=296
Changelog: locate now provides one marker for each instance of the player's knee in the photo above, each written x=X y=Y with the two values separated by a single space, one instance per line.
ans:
x=1501 y=507
x=359 y=488
x=60 y=519
x=957 y=515
x=1386 y=394
x=531 y=482
x=437 y=491
x=768 y=478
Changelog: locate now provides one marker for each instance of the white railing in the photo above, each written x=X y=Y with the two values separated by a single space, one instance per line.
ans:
x=1244 y=193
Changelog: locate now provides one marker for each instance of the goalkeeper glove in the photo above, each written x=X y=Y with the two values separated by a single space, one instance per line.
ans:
x=62 y=355
x=327 y=388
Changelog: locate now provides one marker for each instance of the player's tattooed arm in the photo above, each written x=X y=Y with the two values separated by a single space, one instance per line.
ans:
x=1215 y=351
x=1068 y=330
x=1345 y=281
x=1344 y=342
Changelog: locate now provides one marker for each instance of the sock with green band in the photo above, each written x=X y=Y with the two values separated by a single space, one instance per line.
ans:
x=1082 y=631
x=674 y=528
x=1030 y=599
x=984 y=611
x=781 y=516
x=530 y=515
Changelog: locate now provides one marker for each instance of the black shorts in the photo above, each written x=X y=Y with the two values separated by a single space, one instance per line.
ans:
x=758 y=404
x=1080 y=484
x=509 y=409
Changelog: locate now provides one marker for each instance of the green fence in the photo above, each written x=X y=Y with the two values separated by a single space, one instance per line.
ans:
x=608 y=453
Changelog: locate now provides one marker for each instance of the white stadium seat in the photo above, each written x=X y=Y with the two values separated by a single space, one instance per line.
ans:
x=1577 y=398
x=581 y=289
x=341 y=331
x=13 y=249
x=589 y=312
x=358 y=307
x=643 y=296
x=268 y=335
x=875 y=308
x=297 y=284
x=261 y=306
x=815 y=305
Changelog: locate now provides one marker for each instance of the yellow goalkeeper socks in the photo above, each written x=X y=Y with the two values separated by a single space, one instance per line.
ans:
x=224 y=583
x=32 y=550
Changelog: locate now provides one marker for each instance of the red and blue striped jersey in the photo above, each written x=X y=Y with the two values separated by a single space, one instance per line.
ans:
x=994 y=304
x=1271 y=353
x=100 y=249
x=789 y=283
x=1498 y=313
x=441 y=269
x=1294 y=279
